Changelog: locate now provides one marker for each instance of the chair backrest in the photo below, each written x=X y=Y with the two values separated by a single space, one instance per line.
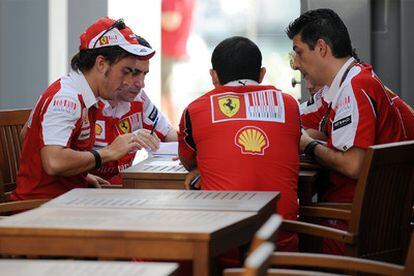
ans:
x=383 y=203
x=256 y=264
x=11 y=123
x=267 y=232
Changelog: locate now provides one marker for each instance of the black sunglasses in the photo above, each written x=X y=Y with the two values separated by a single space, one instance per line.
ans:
x=119 y=24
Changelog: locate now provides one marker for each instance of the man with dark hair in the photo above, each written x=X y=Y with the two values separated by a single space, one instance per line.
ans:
x=57 y=149
x=242 y=135
x=354 y=109
x=130 y=112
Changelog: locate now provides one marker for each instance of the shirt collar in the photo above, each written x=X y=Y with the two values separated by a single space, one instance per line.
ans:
x=335 y=85
x=117 y=111
x=242 y=82
x=82 y=85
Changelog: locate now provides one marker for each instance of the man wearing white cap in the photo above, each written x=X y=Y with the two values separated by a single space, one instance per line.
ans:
x=57 y=149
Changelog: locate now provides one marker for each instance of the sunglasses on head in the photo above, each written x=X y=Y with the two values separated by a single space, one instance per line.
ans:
x=119 y=24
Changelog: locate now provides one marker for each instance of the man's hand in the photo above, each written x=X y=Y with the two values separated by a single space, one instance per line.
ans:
x=147 y=140
x=96 y=181
x=190 y=176
x=122 y=145
x=305 y=139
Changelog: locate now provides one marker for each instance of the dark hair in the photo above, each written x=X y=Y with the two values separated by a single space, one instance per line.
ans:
x=236 y=58
x=142 y=41
x=322 y=24
x=84 y=60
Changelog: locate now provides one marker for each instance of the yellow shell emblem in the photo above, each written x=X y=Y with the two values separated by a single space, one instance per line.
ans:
x=98 y=129
x=124 y=126
x=252 y=140
x=229 y=105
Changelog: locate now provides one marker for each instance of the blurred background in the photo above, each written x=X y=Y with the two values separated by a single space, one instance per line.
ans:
x=39 y=37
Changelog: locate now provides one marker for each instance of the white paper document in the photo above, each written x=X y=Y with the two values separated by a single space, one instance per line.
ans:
x=167 y=149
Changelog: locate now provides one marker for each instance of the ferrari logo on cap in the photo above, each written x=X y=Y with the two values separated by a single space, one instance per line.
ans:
x=229 y=105
x=124 y=126
x=252 y=140
x=104 y=40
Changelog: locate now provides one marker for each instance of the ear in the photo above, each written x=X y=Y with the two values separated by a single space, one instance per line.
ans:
x=262 y=74
x=322 y=47
x=101 y=64
x=214 y=78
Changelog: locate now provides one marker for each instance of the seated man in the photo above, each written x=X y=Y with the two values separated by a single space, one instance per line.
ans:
x=131 y=112
x=242 y=135
x=354 y=109
x=57 y=148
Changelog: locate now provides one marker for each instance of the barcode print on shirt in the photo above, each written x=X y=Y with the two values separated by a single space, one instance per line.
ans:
x=265 y=106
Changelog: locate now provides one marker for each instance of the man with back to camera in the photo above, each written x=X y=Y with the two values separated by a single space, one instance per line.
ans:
x=57 y=149
x=242 y=135
x=131 y=111
x=357 y=111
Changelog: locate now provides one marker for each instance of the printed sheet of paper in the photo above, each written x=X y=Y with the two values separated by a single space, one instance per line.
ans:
x=164 y=199
x=167 y=149
x=145 y=221
x=84 y=268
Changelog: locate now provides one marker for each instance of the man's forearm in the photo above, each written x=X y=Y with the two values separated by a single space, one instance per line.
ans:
x=348 y=163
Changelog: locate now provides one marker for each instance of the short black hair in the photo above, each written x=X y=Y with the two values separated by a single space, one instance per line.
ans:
x=142 y=41
x=322 y=24
x=236 y=58
x=84 y=60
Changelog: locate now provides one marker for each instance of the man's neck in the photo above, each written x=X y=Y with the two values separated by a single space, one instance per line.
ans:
x=332 y=70
x=112 y=103
x=93 y=81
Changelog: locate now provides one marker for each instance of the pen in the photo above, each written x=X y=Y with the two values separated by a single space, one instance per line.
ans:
x=154 y=125
x=193 y=182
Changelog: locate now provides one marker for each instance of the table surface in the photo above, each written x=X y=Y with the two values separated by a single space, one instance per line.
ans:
x=166 y=199
x=84 y=268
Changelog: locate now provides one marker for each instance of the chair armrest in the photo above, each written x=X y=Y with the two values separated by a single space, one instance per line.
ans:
x=325 y=212
x=335 y=205
x=317 y=230
x=336 y=262
x=21 y=205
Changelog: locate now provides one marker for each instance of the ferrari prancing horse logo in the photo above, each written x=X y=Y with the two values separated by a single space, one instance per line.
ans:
x=124 y=126
x=229 y=105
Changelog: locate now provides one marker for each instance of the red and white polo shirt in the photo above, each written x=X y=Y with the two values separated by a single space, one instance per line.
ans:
x=358 y=113
x=125 y=117
x=64 y=116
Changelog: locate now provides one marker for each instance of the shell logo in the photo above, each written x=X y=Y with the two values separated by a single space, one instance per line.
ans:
x=252 y=140
x=98 y=129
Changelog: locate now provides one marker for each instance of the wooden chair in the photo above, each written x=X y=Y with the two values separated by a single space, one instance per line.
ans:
x=379 y=218
x=349 y=264
x=11 y=123
x=256 y=264
x=267 y=232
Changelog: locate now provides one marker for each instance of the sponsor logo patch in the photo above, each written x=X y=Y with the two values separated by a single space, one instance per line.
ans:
x=124 y=126
x=104 y=40
x=100 y=129
x=229 y=105
x=64 y=104
x=266 y=105
x=251 y=140
x=153 y=114
x=342 y=122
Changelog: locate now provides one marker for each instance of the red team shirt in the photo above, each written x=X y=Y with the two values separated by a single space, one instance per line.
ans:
x=64 y=116
x=125 y=118
x=245 y=138
x=361 y=114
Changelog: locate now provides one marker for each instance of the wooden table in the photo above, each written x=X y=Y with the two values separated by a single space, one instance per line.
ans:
x=84 y=268
x=126 y=233
x=262 y=203
x=144 y=175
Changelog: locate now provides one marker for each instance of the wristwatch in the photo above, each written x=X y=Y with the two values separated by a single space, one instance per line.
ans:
x=310 y=148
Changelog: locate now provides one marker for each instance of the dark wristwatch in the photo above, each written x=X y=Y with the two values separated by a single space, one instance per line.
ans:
x=310 y=148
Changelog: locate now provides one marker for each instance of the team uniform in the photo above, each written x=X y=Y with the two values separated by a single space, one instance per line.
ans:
x=353 y=112
x=357 y=113
x=125 y=117
x=245 y=137
x=64 y=116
